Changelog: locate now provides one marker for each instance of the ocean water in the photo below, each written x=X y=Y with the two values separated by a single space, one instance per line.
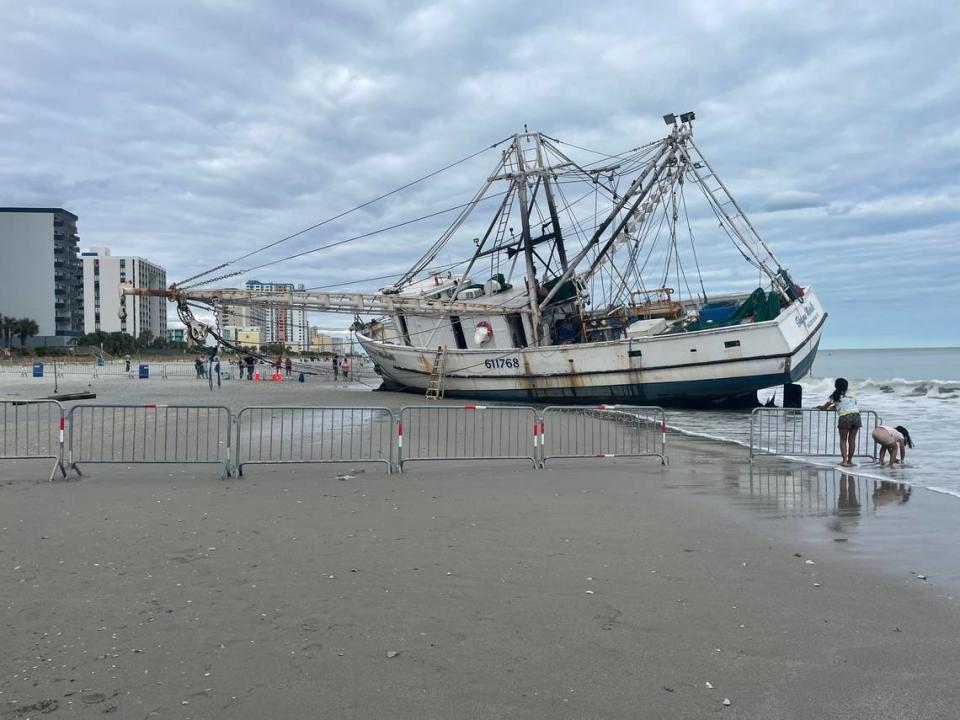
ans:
x=916 y=388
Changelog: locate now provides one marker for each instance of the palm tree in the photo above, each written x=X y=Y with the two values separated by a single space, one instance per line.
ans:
x=6 y=328
x=25 y=328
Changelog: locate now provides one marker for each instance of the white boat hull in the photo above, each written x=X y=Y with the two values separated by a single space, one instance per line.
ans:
x=702 y=367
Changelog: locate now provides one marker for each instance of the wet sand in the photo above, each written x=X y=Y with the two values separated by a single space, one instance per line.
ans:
x=591 y=589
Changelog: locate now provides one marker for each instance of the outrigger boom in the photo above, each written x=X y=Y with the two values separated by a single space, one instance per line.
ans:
x=350 y=303
x=347 y=303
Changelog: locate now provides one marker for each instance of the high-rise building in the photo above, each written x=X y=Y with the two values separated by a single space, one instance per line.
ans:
x=285 y=326
x=320 y=342
x=102 y=275
x=40 y=276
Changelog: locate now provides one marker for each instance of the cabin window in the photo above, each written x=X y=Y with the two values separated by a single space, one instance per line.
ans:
x=402 y=322
x=458 y=332
x=517 y=334
x=732 y=343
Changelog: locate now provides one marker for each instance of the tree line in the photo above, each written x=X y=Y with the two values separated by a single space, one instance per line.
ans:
x=23 y=328
x=121 y=343
x=114 y=343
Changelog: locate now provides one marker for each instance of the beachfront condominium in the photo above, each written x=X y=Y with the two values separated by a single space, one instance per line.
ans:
x=40 y=276
x=320 y=342
x=103 y=274
x=278 y=325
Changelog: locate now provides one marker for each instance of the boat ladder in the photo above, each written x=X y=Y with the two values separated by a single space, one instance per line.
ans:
x=435 y=385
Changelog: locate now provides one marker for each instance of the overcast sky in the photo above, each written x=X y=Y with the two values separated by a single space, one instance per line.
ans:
x=191 y=131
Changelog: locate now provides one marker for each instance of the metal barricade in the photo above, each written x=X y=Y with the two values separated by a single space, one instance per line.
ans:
x=603 y=431
x=806 y=432
x=467 y=432
x=81 y=369
x=113 y=369
x=182 y=434
x=32 y=429
x=300 y=435
x=178 y=370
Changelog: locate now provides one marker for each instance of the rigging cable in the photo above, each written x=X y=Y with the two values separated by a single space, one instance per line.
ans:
x=339 y=242
x=338 y=215
x=726 y=230
x=693 y=244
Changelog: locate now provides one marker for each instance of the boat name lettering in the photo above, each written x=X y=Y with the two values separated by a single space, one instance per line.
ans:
x=383 y=355
x=806 y=316
x=510 y=362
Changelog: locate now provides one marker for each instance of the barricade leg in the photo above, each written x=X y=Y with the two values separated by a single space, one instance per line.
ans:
x=58 y=466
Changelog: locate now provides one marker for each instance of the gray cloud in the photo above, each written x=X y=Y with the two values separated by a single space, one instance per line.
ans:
x=191 y=132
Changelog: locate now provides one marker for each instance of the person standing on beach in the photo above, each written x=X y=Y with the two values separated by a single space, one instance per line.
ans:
x=250 y=364
x=345 y=367
x=288 y=366
x=216 y=369
x=197 y=364
x=336 y=368
x=890 y=439
x=848 y=419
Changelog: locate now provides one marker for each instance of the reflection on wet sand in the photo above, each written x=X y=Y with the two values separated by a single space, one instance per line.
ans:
x=891 y=492
x=795 y=491
x=847 y=503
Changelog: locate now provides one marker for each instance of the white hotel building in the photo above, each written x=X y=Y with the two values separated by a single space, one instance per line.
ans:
x=102 y=275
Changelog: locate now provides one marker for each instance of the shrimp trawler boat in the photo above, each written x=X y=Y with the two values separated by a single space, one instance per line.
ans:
x=587 y=283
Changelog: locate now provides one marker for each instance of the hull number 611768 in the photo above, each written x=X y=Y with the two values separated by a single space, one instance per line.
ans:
x=510 y=362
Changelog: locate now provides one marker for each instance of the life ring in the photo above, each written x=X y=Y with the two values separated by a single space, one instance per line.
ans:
x=482 y=333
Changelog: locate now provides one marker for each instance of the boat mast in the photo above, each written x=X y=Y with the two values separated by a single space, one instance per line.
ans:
x=552 y=206
x=532 y=286
x=667 y=148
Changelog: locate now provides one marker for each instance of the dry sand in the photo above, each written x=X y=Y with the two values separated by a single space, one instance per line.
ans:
x=593 y=589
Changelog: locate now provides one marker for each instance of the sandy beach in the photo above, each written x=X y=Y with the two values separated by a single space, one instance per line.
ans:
x=590 y=589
